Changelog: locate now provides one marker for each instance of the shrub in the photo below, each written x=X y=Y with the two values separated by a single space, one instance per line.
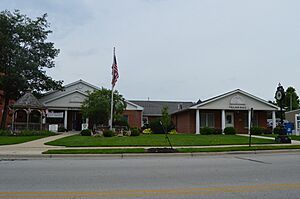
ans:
x=135 y=132
x=267 y=131
x=5 y=132
x=62 y=129
x=86 y=132
x=108 y=133
x=229 y=131
x=207 y=131
x=277 y=130
x=37 y=133
x=156 y=127
x=172 y=132
x=256 y=130
x=147 y=131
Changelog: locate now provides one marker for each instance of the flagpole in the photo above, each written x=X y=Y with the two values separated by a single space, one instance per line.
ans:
x=112 y=102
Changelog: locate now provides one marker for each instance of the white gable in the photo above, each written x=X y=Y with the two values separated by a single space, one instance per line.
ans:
x=73 y=100
x=236 y=100
x=131 y=106
x=79 y=85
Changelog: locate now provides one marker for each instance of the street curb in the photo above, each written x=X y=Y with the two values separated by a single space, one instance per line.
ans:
x=10 y=157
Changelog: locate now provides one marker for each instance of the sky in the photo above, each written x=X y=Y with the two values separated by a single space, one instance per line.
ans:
x=174 y=49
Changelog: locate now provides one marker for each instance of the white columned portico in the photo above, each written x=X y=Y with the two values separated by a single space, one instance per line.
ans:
x=197 y=122
x=249 y=121
x=223 y=120
x=273 y=120
x=66 y=119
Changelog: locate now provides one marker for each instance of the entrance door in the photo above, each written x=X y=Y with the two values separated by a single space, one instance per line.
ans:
x=229 y=122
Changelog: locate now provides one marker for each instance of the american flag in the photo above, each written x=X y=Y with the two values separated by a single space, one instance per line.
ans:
x=115 y=73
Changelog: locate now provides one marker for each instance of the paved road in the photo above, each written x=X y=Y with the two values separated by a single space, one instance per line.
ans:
x=226 y=176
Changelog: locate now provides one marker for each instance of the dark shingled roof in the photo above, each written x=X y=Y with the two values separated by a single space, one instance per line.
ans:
x=153 y=108
x=28 y=100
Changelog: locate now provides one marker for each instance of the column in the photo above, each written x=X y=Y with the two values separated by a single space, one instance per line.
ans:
x=273 y=120
x=249 y=121
x=223 y=121
x=87 y=122
x=197 y=122
x=66 y=119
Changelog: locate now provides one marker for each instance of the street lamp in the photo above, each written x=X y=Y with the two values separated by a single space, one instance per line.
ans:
x=280 y=95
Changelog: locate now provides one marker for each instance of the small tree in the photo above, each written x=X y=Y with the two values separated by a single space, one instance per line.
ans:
x=96 y=106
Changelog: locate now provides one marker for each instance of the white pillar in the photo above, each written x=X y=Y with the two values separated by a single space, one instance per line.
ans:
x=87 y=122
x=273 y=120
x=66 y=119
x=197 y=122
x=249 y=121
x=223 y=121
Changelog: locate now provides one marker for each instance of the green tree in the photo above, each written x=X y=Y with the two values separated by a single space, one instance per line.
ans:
x=165 y=118
x=96 y=106
x=24 y=56
x=291 y=101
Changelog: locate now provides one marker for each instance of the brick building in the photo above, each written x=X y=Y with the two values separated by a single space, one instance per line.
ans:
x=232 y=109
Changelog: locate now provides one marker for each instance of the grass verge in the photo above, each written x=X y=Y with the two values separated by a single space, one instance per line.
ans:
x=156 y=140
x=180 y=150
x=8 y=140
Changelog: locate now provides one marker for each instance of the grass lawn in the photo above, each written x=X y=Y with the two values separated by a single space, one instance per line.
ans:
x=6 y=140
x=180 y=150
x=156 y=140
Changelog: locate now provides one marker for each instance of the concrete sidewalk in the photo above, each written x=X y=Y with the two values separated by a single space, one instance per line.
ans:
x=33 y=147
x=36 y=147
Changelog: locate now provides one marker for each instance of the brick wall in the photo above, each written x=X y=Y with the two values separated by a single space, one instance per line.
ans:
x=134 y=118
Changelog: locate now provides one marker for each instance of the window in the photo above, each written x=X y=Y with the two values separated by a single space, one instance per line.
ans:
x=145 y=120
x=207 y=120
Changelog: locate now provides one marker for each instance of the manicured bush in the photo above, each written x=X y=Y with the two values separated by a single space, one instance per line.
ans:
x=172 y=132
x=135 y=132
x=207 y=131
x=256 y=130
x=62 y=129
x=277 y=130
x=229 y=131
x=33 y=133
x=108 y=133
x=156 y=127
x=5 y=132
x=147 y=131
x=86 y=132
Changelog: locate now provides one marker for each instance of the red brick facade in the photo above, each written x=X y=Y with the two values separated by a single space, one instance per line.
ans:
x=134 y=118
x=185 y=121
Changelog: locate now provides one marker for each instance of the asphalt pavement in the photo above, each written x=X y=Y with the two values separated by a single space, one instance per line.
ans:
x=272 y=176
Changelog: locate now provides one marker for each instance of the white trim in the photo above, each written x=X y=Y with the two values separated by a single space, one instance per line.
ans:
x=138 y=108
x=249 y=121
x=273 y=120
x=223 y=120
x=197 y=122
x=198 y=106
x=66 y=119
x=71 y=84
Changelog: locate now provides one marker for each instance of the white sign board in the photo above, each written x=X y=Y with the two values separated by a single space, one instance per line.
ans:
x=53 y=127
x=55 y=115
